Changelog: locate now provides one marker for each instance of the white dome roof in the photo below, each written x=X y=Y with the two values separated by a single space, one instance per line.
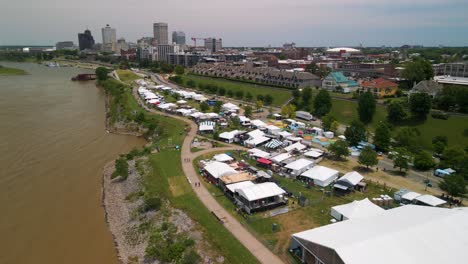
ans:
x=348 y=50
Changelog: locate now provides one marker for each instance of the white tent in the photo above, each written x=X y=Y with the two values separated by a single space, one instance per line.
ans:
x=314 y=153
x=181 y=102
x=281 y=157
x=256 y=138
x=260 y=191
x=299 y=166
x=258 y=123
x=322 y=176
x=258 y=153
x=352 y=178
x=430 y=200
x=206 y=126
x=296 y=146
x=273 y=130
x=410 y=196
x=356 y=209
x=239 y=185
x=406 y=234
x=223 y=157
x=230 y=107
x=284 y=134
x=229 y=136
x=218 y=169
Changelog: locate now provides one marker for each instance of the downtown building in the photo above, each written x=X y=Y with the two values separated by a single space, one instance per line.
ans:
x=178 y=37
x=213 y=45
x=160 y=33
x=65 y=45
x=109 y=39
x=85 y=40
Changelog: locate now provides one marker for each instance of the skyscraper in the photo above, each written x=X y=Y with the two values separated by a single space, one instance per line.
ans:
x=178 y=37
x=213 y=44
x=109 y=38
x=161 y=33
x=85 y=40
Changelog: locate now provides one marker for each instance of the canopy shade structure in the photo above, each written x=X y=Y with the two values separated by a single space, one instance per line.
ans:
x=356 y=209
x=281 y=157
x=322 y=176
x=239 y=185
x=260 y=191
x=255 y=152
x=206 y=126
x=430 y=200
x=273 y=144
x=352 y=178
x=218 y=169
x=223 y=157
x=296 y=146
x=264 y=161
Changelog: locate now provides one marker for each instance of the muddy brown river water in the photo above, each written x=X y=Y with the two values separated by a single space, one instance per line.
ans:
x=53 y=146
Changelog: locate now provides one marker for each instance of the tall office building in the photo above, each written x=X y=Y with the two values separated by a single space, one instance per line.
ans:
x=85 y=40
x=178 y=37
x=213 y=44
x=109 y=38
x=161 y=33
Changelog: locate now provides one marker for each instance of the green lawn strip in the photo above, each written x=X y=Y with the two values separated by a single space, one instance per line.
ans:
x=167 y=168
x=280 y=96
x=127 y=76
x=453 y=128
x=11 y=71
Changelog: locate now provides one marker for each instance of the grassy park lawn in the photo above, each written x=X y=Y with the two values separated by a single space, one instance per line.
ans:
x=280 y=96
x=127 y=76
x=453 y=128
x=11 y=71
x=316 y=214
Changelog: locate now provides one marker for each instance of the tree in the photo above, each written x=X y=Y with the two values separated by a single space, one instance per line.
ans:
x=259 y=105
x=217 y=106
x=396 y=112
x=248 y=96
x=229 y=93
x=454 y=185
x=366 y=107
x=268 y=99
x=401 y=159
x=382 y=137
x=327 y=122
x=454 y=157
x=355 y=133
x=339 y=149
x=101 y=73
x=368 y=157
x=423 y=161
x=191 y=83
x=306 y=97
x=221 y=91
x=334 y=126
x=204 y=107
x=260 y=97
x=179 y=70
x=239 y=95
x=409 y=138
x=322 y=103
x=288 y=111
x=248 y=111
x=420 y=105
x=439 y=143
x=417 y=71
x=121 y=168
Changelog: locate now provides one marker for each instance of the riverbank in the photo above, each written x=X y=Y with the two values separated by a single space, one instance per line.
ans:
x=11 y=71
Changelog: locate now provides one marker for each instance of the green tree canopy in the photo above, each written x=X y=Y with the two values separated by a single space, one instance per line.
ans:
x=396 y=112
x=355 y=133
x=366 y=107
x=401 y=159
x=423 y=161
x=420 y=105
x=409 y=138
x=217 y=106
x=417 y=71
x=382 y=137
x=268 y=99
x=454 y=185
x=339 y=149
x=368 y=157
x=248 y=111
x=204 y=107
x=179 y=70
x=101 y=73
x=327 y=122
x=322 y=103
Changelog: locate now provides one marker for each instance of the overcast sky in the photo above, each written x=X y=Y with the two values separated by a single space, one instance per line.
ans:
x=243 y=22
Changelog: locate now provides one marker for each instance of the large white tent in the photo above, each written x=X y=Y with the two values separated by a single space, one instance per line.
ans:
x=406 y=235
x=260 y=191
x=321 y=176
x=297 y=167
x=355 y=209
x=218 y=169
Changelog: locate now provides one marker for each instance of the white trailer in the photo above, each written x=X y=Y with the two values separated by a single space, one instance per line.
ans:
x=304 y=115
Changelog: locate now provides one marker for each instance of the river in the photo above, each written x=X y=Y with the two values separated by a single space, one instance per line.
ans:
x=53 y=146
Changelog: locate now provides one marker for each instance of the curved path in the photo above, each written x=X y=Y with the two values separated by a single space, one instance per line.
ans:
x=262 y=253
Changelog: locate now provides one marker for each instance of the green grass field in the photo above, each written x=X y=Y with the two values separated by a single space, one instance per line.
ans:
x=453 y=128
x=127 y=76
x=11 y=71
x=280 y=96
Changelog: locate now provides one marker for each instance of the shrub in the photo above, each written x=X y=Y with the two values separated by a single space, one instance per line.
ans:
x=439 y=115
x=151 y=203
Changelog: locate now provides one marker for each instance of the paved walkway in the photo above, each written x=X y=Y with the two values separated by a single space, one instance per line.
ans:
x=262 y=253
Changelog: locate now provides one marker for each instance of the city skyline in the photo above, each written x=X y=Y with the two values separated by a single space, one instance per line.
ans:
x=259 y=23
